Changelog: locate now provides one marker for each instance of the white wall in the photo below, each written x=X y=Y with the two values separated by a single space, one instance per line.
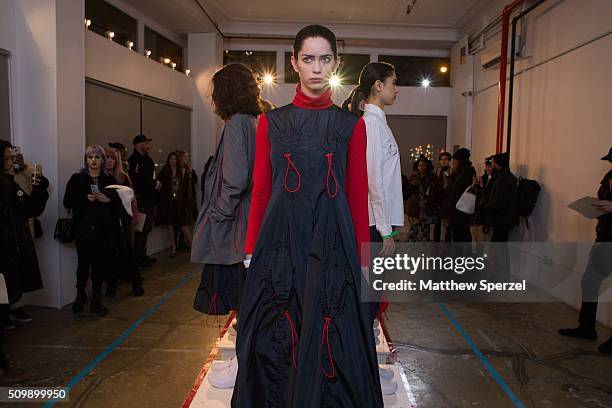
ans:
x=562 y=116
x=115 y=64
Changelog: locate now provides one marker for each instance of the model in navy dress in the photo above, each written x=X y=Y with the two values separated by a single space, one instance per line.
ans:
x=304 y=337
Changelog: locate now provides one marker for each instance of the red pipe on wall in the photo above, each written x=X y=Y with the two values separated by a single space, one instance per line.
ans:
x=501 y=85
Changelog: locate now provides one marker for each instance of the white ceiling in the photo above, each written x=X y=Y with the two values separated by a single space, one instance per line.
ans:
x=440 y=18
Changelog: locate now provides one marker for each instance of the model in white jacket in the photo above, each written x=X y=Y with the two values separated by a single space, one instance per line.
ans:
x=378 y=83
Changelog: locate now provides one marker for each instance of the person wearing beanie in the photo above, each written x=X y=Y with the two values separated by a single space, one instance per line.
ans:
x=598 y=268
x=459 y=181
x=500 y=209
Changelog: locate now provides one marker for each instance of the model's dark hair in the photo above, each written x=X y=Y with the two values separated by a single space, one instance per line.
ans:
x=315 y=31
x=445 y=154
x=353 y=99
x=3 y=146
x=429 y=168
x=372 y=72
x=235 y=90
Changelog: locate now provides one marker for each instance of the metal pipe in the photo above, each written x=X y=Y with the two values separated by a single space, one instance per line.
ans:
x=512 y=63
x=502 y=73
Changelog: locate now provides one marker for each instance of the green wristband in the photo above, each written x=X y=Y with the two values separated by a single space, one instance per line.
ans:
x=394 y=233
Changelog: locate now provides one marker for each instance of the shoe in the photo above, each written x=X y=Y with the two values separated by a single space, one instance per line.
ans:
x=111 y=290
x=226 y=377
x=219 y=365
x=172 y=252
x=20 y=315
x=137 y=290
x=97 y=307
x=388 y=387
x=8 y=323
x=606 y=348
x=376 y=324
x=579 y=332
x=376 y=332
x=79 y=303
x=385 y=373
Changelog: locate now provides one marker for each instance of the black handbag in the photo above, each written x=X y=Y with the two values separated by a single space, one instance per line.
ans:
x=64 y=230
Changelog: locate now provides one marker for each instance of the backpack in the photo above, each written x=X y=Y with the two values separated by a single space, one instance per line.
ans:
x=528 y=191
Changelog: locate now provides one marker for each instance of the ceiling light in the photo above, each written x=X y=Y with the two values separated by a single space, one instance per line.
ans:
x=129 y=44
x=425 y=83
x=167 y=60
x=187 y=72
x=110 y=35
x=87 y=22
x=444 y=69
x=268 y=79
x=148 y=53
x=173 y=64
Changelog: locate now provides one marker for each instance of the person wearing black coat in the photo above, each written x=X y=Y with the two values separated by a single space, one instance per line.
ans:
x=459 y=181
x=146 y=187
x=17 y=251
x=500 y=207
x=598 y=268
x=96 y=226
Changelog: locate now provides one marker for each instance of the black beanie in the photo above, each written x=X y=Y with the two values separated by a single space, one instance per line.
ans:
x=502 y=159
x=462 y=155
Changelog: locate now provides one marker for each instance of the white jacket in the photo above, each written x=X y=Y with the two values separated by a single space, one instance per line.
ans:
x=386 y=205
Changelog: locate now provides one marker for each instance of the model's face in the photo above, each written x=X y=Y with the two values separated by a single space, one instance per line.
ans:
x=94 y=160
x=315 y=64
x=443 y=161
x=388 y=90
x=144 y=147
x=8 y=159
x=110 y=162
x=172 y=161
x=488 y=169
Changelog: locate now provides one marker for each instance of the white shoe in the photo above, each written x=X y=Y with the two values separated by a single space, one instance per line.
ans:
x=376 y=332
x=224 y=378
x=376 y=324
x=385 y=373
x=388 y=387
x=219 y=365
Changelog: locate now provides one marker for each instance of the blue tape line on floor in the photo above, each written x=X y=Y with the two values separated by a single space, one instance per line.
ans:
x=483 y=359
x=91 y=366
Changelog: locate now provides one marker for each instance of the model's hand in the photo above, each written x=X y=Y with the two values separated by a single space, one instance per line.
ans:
x=605 y=205
x=388 y=248
x=91 y=197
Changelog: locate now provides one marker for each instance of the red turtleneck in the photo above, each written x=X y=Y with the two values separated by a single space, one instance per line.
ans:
x=356 y=185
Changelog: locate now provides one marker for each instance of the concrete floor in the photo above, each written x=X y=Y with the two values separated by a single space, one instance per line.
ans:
x=158 y=362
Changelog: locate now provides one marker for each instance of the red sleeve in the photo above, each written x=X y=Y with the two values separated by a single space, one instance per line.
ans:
x=262 y=184
x=357 y=184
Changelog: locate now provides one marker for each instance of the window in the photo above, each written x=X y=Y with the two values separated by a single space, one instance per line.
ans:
x=260 y=62
x=106 y=18
x=5 y=110
x=412 y=71
x=351 y=66
x=162 y=49
x=349 y=70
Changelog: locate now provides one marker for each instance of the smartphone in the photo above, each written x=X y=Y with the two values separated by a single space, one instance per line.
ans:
x=95 y=188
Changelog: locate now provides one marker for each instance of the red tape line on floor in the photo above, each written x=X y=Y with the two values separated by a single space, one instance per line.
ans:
x=211 y=357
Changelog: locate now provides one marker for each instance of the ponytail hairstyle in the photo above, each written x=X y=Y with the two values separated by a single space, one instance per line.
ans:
x=353 y=100
x=314 y=31
x=372 y=72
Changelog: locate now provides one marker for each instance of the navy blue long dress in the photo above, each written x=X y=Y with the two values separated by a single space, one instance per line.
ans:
x=304 y=338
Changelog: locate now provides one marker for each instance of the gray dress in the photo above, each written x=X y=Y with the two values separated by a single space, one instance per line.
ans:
x=220 y=231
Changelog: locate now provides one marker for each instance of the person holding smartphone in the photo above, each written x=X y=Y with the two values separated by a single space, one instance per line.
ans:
x=17 y=252
x=94 y=225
